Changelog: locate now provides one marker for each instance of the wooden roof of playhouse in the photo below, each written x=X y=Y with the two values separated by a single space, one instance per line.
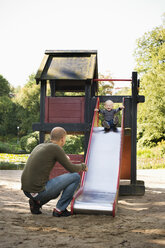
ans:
x=69 y=70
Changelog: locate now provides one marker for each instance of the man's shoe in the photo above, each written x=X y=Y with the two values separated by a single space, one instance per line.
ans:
x=64 y=213
x=106 y=125
x=34 y=207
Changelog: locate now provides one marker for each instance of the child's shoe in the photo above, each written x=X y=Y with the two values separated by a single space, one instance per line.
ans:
x=106 y=125
x=115 y=129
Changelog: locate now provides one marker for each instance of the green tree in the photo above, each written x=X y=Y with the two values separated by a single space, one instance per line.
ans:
x=8 y=109
x=4 y=86
x=28 y=99
x=150 y=58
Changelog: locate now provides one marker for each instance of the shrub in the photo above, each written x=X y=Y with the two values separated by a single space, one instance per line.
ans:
x=74 y=144
x=11 y=166
x=30 y=141
x=147 y=137
x=8 y=148
x=4 y=148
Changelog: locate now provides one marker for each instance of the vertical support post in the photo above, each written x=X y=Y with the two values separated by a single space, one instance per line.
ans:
x=87 y=113
x=127 y=111
x=134 y=126
x=52 y=87
x=93 y=88
x=42 y=109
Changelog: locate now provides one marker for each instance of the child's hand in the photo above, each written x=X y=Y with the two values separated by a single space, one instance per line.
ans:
x=96 y=109
x=122 y=107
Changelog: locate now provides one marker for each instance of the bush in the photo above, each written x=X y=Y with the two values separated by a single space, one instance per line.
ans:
x=74 y=144
x=11 y=166
x=4 y=148
x=149 y=137
x=29 y=142
x=8 y=148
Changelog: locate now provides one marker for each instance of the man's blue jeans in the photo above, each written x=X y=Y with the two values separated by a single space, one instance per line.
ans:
x=66 y=183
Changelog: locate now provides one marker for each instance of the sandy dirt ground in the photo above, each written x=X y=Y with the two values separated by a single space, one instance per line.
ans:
x=139 y=222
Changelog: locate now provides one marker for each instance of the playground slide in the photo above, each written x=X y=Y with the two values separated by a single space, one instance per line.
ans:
x=100 y=184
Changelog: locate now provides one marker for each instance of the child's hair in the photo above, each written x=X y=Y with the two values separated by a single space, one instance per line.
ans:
x=108 y=102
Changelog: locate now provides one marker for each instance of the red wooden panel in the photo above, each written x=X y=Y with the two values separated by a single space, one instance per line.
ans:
x=64 y=120
x=64 y=109
x=65 y=106
x=62 y=113
x=82 y=110
x=65 y=99
x=46 y=109
x=58 y=169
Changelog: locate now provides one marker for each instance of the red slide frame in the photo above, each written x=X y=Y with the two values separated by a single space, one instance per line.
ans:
x=95 y=123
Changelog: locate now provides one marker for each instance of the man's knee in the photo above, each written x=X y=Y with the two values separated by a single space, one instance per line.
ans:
x=76 y=176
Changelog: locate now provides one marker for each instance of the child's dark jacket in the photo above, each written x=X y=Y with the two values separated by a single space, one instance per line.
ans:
x=109 y=115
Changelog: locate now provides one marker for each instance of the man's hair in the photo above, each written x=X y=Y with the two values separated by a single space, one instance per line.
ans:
x=57 y=133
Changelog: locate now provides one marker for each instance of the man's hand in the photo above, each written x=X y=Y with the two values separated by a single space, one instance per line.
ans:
x=96 y=109
x=84 y=167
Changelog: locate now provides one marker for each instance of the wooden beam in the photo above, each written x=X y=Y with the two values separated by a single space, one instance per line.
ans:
x=41 y=68
x=118 y=99
x=69 y=127
x=52 y=52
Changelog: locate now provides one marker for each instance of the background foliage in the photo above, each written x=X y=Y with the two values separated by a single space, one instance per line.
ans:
x=150 y=58
x=18 y=107
x=28 y=142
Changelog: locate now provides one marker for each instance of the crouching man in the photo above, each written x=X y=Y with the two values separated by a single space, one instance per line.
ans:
x=35 y=177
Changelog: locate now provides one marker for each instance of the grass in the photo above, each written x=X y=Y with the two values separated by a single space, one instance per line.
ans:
x=151 y=158
x=12 y=161
x=150 y=163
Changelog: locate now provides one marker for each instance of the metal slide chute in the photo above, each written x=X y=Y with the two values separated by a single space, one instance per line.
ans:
x=99 y=188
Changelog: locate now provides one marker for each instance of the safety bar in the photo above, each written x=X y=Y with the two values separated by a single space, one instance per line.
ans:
x=110 y=79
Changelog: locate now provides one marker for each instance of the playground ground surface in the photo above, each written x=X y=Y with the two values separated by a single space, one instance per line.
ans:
x=139 y=222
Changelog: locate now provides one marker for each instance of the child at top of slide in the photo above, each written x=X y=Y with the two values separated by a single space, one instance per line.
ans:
x=110 y=120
